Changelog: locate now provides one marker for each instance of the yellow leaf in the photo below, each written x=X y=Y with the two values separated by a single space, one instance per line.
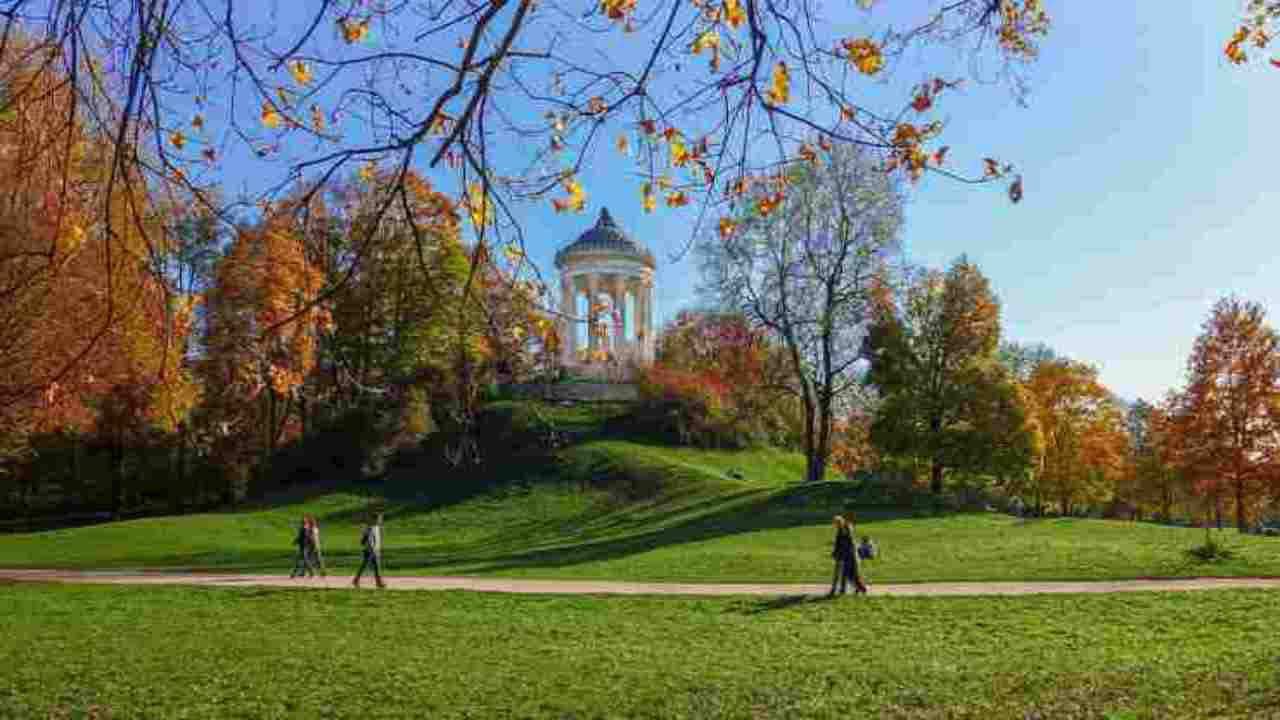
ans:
x=353 y=31
x=734 y=14
x=647 y=200
x=270 y=117
x=75 y=238
x=478 y=206
x=706 y=40
x=679 y=153
x=513 y=254
x=865 y=55
x=178 y=139
x=576 y=200
x=368 y=172
x=301 y=72
x=780 y=85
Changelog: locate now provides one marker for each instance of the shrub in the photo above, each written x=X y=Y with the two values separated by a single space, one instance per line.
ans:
x=687 y=408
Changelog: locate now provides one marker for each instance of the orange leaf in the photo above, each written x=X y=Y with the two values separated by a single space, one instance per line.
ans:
x=940 y=155
x=300 y=71
x=677 y=199
x=727 y=227
x=353 y=31
x=270 y=117
x=865 y=55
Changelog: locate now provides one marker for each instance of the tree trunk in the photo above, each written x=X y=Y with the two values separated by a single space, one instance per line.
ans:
x=1242 y=520
x=935 y=476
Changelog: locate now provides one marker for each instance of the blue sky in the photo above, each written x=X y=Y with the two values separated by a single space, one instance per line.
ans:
x=1147 y=166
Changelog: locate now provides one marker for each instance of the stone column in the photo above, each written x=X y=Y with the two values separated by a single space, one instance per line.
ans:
x=650 y=341
x=593 y=288
x=618 y=296
x=568 y=309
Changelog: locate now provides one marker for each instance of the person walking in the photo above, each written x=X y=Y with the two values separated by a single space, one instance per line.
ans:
x=302 y=561
x=371 y=541
x=843 y=554
x=317 y=557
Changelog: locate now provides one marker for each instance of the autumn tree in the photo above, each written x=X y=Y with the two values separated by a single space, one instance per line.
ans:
x=805 y=266
x=944 y=397
x=1155 y=481
x=1232 y=405
x=91 y=339
x=724 y=381
x=1083 y=437
x=255 y=365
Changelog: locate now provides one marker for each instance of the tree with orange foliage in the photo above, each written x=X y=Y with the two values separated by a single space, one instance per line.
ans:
x=91 y=339
x=261 y=339
x=1232 y=407
x=1084 y=444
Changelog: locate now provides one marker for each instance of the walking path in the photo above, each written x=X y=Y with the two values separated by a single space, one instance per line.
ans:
x=601 y=587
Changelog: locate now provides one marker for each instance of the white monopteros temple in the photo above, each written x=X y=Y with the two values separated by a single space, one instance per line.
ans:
x=606 y=286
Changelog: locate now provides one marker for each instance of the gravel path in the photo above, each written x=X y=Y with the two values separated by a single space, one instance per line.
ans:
x=594 y=587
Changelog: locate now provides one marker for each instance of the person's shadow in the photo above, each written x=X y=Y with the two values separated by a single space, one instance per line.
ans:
x=781 y=602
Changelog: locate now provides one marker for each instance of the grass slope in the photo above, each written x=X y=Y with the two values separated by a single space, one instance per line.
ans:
x=609 y=508
x=85 y=651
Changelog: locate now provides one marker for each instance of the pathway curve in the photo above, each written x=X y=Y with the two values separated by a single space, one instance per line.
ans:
x=601 y=587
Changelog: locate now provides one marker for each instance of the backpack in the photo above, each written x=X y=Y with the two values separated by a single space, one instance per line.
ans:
x=867 y=551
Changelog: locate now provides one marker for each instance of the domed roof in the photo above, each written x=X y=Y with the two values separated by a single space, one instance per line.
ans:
x=605 y=237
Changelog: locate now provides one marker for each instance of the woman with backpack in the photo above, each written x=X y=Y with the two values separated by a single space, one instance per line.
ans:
x=853 y=562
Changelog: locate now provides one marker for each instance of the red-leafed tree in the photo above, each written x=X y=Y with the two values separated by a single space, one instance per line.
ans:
x=723 y=378
x=1231 y=413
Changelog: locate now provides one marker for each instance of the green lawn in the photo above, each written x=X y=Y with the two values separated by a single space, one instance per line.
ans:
x=623 y=510
x=168 y=652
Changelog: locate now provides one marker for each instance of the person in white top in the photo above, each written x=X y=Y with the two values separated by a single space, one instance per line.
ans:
x=371 y=541
x=317 y=557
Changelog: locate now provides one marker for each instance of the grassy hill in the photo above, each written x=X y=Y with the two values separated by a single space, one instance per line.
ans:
x=609 y=507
